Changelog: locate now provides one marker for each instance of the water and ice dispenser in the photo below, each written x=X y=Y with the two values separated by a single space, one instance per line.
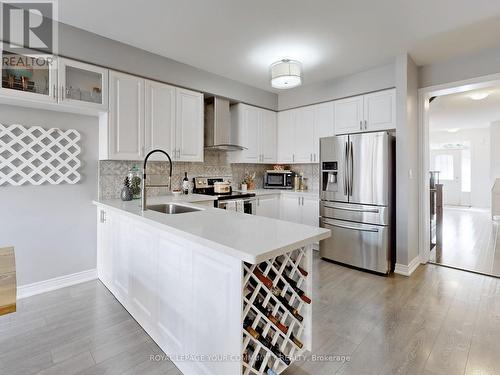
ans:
x=329 y=171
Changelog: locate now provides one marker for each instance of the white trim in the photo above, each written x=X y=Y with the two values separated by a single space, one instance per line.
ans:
x=424 y=94
x=404 y=270
x=29 y=290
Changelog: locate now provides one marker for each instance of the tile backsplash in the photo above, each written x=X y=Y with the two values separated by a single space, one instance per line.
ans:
x=216 y=164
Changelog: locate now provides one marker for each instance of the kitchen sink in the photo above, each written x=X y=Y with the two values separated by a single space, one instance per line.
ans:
x=171 y=208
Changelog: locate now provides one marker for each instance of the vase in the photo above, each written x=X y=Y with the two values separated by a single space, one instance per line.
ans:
x=126 y=194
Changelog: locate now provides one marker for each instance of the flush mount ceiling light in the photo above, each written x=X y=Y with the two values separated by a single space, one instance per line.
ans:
x=479 y=95
x=286 y=74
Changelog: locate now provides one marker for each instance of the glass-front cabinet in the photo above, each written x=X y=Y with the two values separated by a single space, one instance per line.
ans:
x=31 y=76
x=42 y=78
x=82 y=85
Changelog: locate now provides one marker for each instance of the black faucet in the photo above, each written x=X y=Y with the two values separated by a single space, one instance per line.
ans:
x=144 y=186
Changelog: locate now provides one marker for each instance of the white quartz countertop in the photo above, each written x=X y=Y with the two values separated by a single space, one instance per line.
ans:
x=250 y=238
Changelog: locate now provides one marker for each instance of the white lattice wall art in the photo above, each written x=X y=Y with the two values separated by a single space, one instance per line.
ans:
x=35 y=155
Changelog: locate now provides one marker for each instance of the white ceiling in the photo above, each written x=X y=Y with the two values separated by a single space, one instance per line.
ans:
x=239 y=39
x=459 y=111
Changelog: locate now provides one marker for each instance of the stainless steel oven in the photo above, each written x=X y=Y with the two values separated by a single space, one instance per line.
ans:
x=278 y=179
x=246 y=205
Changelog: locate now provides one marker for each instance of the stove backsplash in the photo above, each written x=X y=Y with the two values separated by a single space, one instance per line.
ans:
x=113 y=172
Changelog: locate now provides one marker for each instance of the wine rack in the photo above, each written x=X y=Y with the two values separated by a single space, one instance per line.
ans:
x=277 y=316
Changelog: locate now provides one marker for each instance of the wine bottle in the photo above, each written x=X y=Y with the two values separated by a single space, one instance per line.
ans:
x=263 y=279
x=270 y=371
x=185 y=183
x=268 y=313
x=289 y=268
x=277 y=293
x=267 y=342
x=297 y=290
x=296 y=341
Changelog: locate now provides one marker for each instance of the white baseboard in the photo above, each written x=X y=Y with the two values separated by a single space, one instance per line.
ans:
x=28 y=290
x=407 y=270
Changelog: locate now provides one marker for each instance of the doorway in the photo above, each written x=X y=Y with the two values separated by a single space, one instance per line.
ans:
x=460 y=126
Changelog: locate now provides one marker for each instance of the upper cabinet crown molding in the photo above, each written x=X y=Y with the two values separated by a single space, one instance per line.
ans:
x=364 y=113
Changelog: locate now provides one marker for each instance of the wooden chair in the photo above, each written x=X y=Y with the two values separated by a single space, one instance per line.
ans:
x=8 y=285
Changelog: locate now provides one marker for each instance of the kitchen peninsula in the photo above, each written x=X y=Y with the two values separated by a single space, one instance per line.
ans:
x=221 y=292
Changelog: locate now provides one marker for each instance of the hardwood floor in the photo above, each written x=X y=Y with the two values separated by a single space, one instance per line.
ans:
x=470 y=241
x=439 y=321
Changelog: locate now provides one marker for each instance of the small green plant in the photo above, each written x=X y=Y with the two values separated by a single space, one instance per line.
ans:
x=135 y=185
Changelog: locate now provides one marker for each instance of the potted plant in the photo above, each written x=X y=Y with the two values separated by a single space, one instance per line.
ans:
x=249 y=180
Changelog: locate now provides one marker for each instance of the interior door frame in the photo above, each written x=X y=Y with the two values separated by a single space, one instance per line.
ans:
x=424 y=94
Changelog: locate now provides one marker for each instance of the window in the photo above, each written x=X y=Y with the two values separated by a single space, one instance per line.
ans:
x=466 y=171
x=444 y=164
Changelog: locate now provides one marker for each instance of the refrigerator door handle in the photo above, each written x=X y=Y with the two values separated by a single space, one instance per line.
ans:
x=346 y=170
x=351 y=164
x=361 y=228
x=368 y=210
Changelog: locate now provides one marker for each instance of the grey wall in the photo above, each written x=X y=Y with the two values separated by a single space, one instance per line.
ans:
x=465 y=67
x=52 y=227
x=407 y=199
x=378 y=78
x=83 y=45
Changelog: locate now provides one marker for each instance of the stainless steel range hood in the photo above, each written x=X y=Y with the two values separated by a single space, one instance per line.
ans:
x=218 y=126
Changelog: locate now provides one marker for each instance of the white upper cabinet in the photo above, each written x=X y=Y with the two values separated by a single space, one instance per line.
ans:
x=245 y=122
x=23 y=80
x=349 y=115
x=146 y=115
x=54 y=83
x=304 y=135
x=189 y=126
x=299 y=131
x=380 y=110
x=159 y=118
x=371 y=112
x=255 y=129
x=124 y=124
x=286 y=135
x=82 y=85
x=267 y=135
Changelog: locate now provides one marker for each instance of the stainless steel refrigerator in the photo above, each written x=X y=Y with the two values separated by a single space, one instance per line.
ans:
x=357 y=200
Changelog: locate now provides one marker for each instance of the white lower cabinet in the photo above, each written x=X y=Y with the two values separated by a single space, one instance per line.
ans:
x=301 y=209
x=180 y=292
x=268 y=206
x=290 y=208
x=172 y=304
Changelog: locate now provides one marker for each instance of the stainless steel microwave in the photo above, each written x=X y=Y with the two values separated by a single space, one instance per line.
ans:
x=278 y=179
